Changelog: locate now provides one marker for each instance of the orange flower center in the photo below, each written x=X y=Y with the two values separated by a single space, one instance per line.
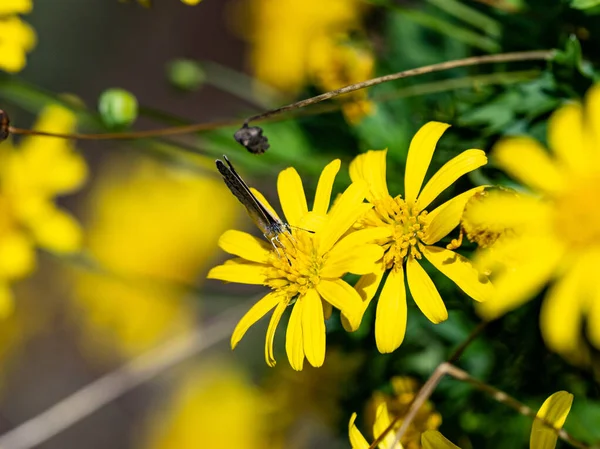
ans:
x=578 y=212
x=296 y=266
x=408 y=224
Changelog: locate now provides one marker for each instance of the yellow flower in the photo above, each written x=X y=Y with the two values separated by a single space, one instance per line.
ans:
x=556 y=229
x=32 y=174
x=308 y=273
x=412 y=232
x=554 y=410
x=404 y=391
x=153 y=229
x=282 y=32
x=16 y=37
x=212 y=409
x=382 y=422
x=334 y=62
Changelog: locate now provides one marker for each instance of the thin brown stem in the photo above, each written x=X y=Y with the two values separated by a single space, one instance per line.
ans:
x=186 y=129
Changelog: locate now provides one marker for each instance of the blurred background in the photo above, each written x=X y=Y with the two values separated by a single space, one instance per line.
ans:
x=116 y=267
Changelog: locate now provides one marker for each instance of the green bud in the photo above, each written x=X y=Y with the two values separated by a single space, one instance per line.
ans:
x=185 y=74
x=118 y=108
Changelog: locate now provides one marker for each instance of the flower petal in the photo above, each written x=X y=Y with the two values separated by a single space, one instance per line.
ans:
x=358 y=260
x=566 y=136
x=7 y=301
x=294 y=341
x=343 y=297
x=57 y=231
x=240 y=271
x=260 y=197
x=527 y=161
x=424 y=292
x=291 y=195
x=244 y=245
x=313 y=328
x=562 y=311
x=460 y=271
x=554 y=410
x=17 y=255
x=390 y=319
x=382 y=422
x=592 y=112
x=273 y=322
x=357 y=440
x=324 y=187
x=368 y=284
x=465 y=162
x=256 y=312
x=370 y=168
x=348 y=209
x=538 y=259
x=591 y=283
x=420 y=152
x=432 y=439
x=446 y=217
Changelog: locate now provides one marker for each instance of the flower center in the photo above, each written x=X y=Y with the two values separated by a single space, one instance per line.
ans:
x=296 y=267
x=408 y=224
x=578 y=213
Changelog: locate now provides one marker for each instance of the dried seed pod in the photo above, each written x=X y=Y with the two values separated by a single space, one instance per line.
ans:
x=4 y=126
x=251 y=137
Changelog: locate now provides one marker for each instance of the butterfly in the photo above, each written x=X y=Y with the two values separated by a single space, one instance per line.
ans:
x=271 y=226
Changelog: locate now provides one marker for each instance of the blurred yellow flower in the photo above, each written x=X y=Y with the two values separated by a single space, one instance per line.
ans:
x=212 y=409
x=32 y=174
x=556 y=229
x=554 y=411
x=17 y=38
x=308 y=273
x=334 y=62
x=404 y=391
x=382 y=422
x=149 y=2
x=412 y=231
x=282 y=34
x=153 y=229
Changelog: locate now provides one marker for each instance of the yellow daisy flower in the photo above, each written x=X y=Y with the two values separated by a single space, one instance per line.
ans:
x=412 y=232
x=32 y=174
x=554 y=410
x=316 y=254
x=17 y=38
x=382 y=422
x=555 y=233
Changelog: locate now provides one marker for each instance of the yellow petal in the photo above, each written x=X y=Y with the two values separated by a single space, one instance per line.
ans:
x=313 y=328
x=7 y=302
x=525 y=278
x=390 y=320
x=240 y=271
x=382 y=422
x=17 y=256
x=291 y=196
x=432 y=439
x=260 y=197
x=294 y=340
x=15 y=7
x=244 y=245
x=593 y=286
x=368 y=284
x=460 y=271
x=465 y=162
x=566 y=136
x=358 y=260
x=57 y=231
x=420 y=152
x=324 y=187
x=446 y=217
x=348 y=209
x=562 y=310
x=424 y=292
x=343 y=297
x=256 y=312
x=592 y=111
x=273 y=322
x=528 y=162
x=370 y=168
x=357 y=440
x=554 y=410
